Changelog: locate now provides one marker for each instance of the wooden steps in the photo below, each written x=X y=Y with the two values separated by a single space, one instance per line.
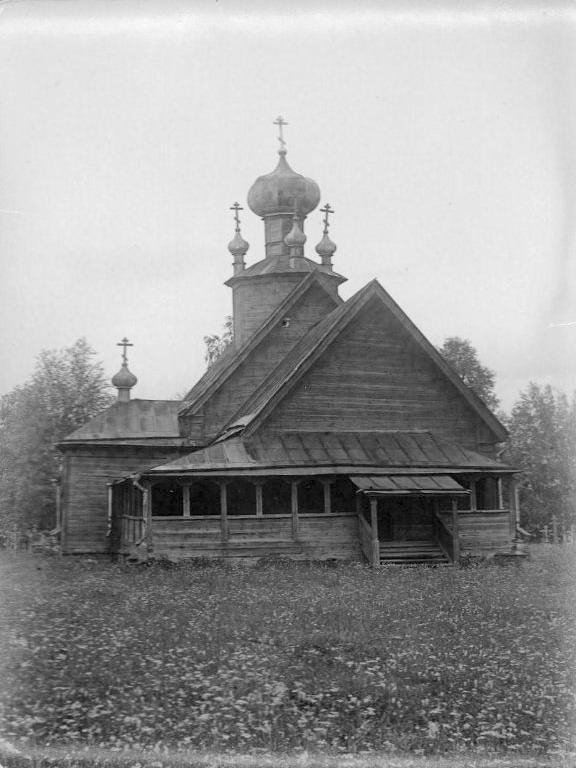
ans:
x=412 y=553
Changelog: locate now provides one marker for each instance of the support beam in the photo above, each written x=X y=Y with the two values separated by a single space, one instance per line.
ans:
x=514 y=508
x=499 y=493
x=186 y=500
x=455 y=531
x=327 y=485
x=374 y=526
x=224 y=534
x=294 y=506
x=259 y=498
x=473 y=498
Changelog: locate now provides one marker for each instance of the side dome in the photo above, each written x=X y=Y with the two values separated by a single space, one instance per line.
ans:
x=283 y=192
x=124 y=379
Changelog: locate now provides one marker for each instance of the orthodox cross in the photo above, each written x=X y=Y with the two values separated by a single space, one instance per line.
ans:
x=327 y=211
x=280 y=122
x=236 y=207
x=124 y=343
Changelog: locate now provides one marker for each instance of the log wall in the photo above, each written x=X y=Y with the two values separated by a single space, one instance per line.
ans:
x=87 y=471
x=374 y=377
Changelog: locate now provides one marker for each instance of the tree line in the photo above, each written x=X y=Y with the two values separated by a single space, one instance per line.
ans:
x=68 y=387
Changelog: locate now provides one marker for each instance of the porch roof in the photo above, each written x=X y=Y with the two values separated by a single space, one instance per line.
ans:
x=316 y=453
x=406 y=485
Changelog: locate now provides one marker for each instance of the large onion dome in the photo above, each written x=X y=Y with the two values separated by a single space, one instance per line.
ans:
x=283 y=192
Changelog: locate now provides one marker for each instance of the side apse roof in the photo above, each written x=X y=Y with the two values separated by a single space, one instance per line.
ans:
x=131 y=420
x=329 y=453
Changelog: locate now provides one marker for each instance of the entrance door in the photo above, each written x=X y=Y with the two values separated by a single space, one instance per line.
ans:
x=405 y=518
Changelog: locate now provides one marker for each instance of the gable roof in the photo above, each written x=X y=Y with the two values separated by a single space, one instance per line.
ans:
x=288 y=372
x=133 y=420
x=393 y=452
x=227 y=363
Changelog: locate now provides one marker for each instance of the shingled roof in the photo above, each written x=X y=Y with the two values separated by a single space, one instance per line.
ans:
x=316 y=453
x=134 y=421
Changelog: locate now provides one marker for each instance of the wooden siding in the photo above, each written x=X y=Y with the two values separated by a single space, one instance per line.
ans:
x=85 y=498
x=483 y=533
x=312 y=307
x=373 y=376
x=319 y=537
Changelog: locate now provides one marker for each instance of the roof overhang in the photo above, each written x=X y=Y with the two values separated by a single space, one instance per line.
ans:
x=408 y=485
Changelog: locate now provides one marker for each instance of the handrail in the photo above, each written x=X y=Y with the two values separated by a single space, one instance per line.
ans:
x=445 y=537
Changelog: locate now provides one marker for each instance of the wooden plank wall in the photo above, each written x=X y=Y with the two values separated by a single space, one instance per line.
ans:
x=373 y=377
x=226 y=401
x=482 y=533
x=85 y=497
x=319 y=537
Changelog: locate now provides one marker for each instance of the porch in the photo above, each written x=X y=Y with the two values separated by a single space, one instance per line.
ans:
x=329 y=517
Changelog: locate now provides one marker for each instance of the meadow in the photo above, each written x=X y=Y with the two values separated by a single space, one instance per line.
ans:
x=288 y=658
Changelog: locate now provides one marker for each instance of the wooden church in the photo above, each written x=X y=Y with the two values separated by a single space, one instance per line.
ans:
x=327 y=429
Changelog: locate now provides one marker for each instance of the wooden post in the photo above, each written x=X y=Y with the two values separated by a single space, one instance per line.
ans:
x=455 y=531
x=186 y=500
x=514 y=511
x=499 y=493
x=473 y=501
x=223 y=511
x=294 y=505
x=147 y=516
x=327 y=485
x=554 y=529
x=374 y=526
x=110 y=498
x=259 y=497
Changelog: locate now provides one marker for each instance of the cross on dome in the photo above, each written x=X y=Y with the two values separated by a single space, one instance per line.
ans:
x=280 y=122
x=327 y=210
x=236 y=208
x=124 y=344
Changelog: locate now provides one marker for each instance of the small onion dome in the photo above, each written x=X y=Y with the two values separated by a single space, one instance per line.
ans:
x=238 y=246
x=282 y=191
x=124 y=379
x=295 y=237
x=326 y=248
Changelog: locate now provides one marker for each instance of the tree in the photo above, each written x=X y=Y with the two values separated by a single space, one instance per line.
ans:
x=543 y=445
x=217 y=345
x=462 y=356
x=66 y=389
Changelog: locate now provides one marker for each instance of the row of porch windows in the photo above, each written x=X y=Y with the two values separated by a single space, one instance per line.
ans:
x=271 y=497
x=274 y=497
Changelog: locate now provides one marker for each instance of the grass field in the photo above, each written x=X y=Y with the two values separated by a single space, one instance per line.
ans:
x=286 y=658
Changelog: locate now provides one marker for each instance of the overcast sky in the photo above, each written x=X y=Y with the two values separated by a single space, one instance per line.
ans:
x=443 y=135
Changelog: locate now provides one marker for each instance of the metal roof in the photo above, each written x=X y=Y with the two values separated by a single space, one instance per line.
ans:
x=134 y=419
x=328 y=452
x=405 y=485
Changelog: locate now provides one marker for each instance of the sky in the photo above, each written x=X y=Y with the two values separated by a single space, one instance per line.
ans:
x=442 y=134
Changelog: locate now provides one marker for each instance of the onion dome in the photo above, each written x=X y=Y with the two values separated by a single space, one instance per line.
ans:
x=295 y=237
x=283 y=191
x=238 y=246
x=124 y=379
x=326 y=249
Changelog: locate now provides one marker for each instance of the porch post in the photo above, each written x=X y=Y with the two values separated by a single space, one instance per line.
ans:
x=327 y=486
x=499 y=492
x=186 y=500
x=110 y=497
x=374 y=526
x=514 y=510
x=223 y=511
x=455 y=531
x=473 y=502
x=259 y=497
x=294 y=505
